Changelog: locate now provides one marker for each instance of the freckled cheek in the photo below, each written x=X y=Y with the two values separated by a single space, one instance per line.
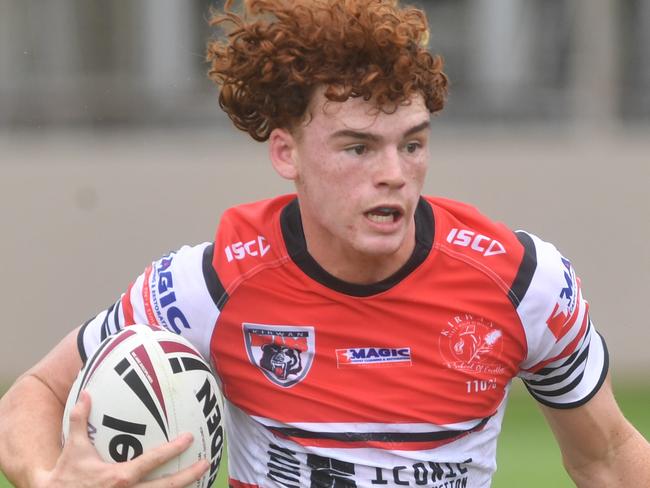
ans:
x=344 y=201
x=337 y=195
x=418 y=170
x=344 y=182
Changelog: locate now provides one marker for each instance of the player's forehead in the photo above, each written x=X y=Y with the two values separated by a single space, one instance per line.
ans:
x=357 y=114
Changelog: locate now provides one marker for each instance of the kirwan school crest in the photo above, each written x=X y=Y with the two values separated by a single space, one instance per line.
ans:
x=471 y=343
x=284 y=353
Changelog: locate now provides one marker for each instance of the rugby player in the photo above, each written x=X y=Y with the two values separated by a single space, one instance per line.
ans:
x=365 y=335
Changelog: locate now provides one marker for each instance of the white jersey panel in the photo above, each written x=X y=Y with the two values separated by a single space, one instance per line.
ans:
x=98 y=328
x=566 y=360
x=172 y=293
x=258 y=458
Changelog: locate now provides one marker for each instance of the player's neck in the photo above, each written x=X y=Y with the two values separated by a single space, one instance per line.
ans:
x=357 y=267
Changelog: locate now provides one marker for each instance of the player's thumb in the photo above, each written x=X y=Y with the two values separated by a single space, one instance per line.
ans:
x=79 y=418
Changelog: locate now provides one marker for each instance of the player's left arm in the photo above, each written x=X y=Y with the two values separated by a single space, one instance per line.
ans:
x=565 y=370
x=600 y=448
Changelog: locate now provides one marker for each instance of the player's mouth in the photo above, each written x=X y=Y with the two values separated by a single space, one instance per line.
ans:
x=384 y=214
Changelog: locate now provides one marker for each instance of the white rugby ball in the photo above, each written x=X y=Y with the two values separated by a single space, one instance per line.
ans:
x=147 y=386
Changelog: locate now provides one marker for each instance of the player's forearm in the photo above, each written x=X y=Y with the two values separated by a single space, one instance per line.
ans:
x=624 y=464
x=30 y=436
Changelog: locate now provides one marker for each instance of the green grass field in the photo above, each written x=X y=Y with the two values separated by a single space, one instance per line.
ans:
x=526 y=449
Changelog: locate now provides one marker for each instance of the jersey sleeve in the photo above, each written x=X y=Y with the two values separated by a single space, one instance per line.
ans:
x=180 y=292
x=566 y=360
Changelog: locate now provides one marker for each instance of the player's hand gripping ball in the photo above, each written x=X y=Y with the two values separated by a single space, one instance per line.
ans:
x=147 y=386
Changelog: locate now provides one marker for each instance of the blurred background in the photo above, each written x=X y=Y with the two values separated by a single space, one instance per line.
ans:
x=113 y=151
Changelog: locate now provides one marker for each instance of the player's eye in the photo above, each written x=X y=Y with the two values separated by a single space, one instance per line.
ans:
x=412 y=147
x=357 y=149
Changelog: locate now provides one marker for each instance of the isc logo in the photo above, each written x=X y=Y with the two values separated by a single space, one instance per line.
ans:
x=477 y=242
x=239 y=250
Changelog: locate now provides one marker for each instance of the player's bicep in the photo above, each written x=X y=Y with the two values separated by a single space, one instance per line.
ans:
x=587 y=433
x=59 y=368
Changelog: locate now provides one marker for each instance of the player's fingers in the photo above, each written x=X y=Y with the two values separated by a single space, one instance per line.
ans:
x=79 y=418
x=185 y=477
x=153 y=458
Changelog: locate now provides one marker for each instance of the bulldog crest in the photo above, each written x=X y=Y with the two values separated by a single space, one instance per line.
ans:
x=283 y=353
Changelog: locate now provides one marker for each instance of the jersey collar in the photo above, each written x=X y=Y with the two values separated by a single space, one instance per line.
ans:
x=294 y=239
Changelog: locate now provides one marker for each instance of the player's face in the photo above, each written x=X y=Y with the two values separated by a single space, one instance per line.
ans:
x=359 y=174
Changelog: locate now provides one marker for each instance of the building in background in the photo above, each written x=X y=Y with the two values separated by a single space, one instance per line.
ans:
x=113 y=149
x=98 y=62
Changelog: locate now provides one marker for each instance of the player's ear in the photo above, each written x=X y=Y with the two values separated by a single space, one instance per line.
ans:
x=282 y=151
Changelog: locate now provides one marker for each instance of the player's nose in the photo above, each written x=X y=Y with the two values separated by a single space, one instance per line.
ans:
x=389 y=169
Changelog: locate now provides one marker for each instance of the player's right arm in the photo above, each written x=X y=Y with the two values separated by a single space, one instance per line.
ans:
x=31 y=412
x=173 y=292
x=30 y=434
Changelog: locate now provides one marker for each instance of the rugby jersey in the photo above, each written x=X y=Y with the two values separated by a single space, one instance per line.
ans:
x=400 y=383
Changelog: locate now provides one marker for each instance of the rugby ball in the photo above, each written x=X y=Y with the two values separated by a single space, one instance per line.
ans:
x=147 y=386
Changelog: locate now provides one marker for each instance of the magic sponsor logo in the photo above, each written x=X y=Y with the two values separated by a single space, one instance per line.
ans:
x=373 y=356
x=159 y=284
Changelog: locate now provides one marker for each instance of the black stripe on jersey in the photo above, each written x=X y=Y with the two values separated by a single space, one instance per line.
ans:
x=553 y=380
x=548 y=370
x=378 y=436
x=80 y=341
x=116 y=315
x=290 y=455
x=526 y=269
x=105 y=328
x=294 y=238
x=576 y=359
x=106 y=331
x=560 y=391
x=599 y=383
x=216 y=289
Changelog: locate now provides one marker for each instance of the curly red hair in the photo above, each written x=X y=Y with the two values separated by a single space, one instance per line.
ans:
x=278 y=51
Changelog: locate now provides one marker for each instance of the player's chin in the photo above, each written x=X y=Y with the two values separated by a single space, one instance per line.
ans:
x=381 y=245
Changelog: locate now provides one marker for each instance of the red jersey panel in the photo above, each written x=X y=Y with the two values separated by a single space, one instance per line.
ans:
x=405 y=381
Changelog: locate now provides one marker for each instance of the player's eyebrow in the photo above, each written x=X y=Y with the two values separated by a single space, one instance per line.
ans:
x=418 y=128
x=369 y=136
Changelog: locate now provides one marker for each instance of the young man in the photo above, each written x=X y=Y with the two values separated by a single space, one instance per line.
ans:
x=364 y=335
